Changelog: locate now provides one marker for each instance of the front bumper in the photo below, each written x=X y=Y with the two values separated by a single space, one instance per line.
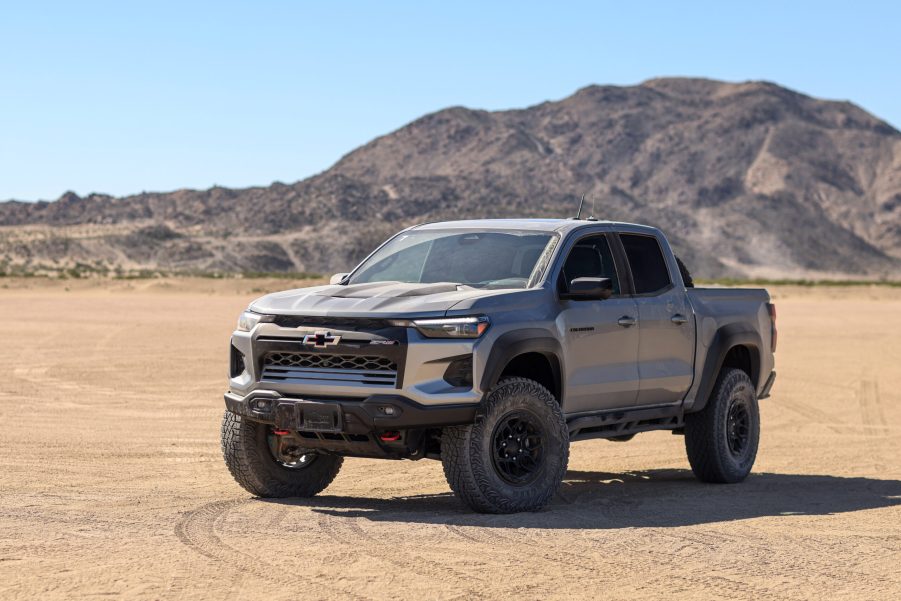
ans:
x=372 y=414
x=385 y=426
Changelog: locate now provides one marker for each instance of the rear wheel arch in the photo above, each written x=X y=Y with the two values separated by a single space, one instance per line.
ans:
x=744 y=357
x=733 y=345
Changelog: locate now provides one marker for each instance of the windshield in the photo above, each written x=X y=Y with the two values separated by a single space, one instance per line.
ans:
x=481 y=259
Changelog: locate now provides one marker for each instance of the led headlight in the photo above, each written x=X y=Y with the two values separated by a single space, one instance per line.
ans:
x=452 y=327
x=249 y=320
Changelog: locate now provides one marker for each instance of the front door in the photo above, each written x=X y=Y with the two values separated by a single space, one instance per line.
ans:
x=601 y=345
x=666 y=324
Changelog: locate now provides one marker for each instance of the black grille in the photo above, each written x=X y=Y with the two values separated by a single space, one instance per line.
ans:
x=354 y=361
x=324 y=369
x=314 y=360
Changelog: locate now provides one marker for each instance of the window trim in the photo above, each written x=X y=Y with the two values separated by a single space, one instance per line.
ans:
x=625 y=283
x=625 y=256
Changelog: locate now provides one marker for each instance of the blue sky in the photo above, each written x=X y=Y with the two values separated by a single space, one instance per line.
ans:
x=120 y=97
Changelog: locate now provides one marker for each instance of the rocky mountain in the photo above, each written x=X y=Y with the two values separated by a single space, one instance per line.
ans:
x=747 y=179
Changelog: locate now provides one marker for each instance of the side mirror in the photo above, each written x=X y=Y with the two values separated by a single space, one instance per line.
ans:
x=338 y=278
x=589 y=289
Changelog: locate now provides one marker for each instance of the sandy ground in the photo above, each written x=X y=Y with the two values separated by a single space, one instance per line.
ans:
x=111 y=481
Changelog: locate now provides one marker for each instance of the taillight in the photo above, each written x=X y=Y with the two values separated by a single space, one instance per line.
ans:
x=771 y=309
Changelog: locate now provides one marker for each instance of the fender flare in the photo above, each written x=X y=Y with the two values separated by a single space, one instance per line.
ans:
x=725 y=339
x=519 y=342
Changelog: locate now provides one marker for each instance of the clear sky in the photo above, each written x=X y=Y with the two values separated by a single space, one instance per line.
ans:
x=120 y=97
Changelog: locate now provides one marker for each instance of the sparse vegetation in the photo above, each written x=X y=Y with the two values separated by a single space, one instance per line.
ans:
x=763 y=282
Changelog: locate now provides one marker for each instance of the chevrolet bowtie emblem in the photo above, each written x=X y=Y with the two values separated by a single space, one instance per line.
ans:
x=321 y=339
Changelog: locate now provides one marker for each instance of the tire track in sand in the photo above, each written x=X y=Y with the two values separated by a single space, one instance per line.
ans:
x=871 y=406
x=873 y=418
x=347 y=531
x=197 y=530
x=814 y=415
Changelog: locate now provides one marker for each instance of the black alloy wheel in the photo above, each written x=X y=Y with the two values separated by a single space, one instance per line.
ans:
x=518 y=443
x=286 y=455
x=738 y=427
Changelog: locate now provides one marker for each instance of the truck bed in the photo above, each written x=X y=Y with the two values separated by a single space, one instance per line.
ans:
x=737 y=307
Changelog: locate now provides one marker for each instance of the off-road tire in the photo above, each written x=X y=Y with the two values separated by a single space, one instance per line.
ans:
x=707 y=437
x=467 y=451
x=247 y=455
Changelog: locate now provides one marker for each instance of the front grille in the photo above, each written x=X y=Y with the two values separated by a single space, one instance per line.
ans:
x=322 y=368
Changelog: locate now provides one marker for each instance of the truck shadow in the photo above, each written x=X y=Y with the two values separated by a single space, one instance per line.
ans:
x=653 y=498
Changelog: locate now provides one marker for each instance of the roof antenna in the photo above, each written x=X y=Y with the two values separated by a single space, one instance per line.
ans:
x=579 y=214
x=593 y=203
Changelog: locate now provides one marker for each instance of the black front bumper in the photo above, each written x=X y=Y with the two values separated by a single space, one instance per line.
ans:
x=360 y=424
x=361 y=416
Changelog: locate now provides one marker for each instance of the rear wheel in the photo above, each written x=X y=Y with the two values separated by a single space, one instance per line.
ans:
x=515 y=456
x=266 y=468
x=721 y=439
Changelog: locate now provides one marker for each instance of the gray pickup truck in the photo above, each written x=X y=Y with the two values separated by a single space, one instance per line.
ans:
x=491 y=345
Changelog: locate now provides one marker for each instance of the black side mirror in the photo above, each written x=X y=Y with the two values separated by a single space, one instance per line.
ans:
x=589 y=289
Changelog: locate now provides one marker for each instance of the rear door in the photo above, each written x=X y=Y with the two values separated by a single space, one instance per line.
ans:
x=600 y=343
x=665 y=323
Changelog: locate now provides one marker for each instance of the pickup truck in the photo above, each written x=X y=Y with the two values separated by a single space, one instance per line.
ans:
x=491 y=345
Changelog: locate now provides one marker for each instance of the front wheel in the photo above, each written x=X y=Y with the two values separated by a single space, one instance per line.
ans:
x=721 y=439
x=257 y=463
x=514 y=457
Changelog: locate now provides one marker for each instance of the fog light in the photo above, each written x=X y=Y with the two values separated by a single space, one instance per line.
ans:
x=262 y=404
x=389 y=410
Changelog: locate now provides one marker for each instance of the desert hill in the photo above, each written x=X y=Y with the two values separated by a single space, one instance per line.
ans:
x=747 y=179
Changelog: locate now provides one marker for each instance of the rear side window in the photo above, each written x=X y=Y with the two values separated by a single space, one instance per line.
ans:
x=646 y=260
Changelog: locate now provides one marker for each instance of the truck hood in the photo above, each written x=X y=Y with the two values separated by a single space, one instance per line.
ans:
x=387 y=299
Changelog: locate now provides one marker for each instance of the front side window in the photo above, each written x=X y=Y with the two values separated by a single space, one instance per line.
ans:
x=649 y=272
x=479 y=259
x=589 y=258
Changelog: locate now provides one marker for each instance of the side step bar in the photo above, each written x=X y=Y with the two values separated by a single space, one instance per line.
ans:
x=624 y=422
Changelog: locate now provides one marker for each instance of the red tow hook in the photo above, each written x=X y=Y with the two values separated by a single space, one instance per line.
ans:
x=281 y=432
x=390 y=436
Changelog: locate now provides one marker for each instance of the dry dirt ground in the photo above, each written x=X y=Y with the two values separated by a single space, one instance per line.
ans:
x=111 y=482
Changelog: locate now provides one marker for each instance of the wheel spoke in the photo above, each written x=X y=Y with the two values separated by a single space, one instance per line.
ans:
x=518 y=447
x=294 y=460
x=738 y=427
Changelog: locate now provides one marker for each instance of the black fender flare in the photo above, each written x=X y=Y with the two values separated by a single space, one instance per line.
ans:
x=725 y=339
x=519 y=342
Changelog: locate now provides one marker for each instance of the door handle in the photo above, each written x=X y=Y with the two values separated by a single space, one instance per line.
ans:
x=626 y=321
x=678 y=319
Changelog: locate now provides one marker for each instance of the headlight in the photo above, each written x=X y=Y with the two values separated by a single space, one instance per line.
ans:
x=249 y=320
x=452 y=327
